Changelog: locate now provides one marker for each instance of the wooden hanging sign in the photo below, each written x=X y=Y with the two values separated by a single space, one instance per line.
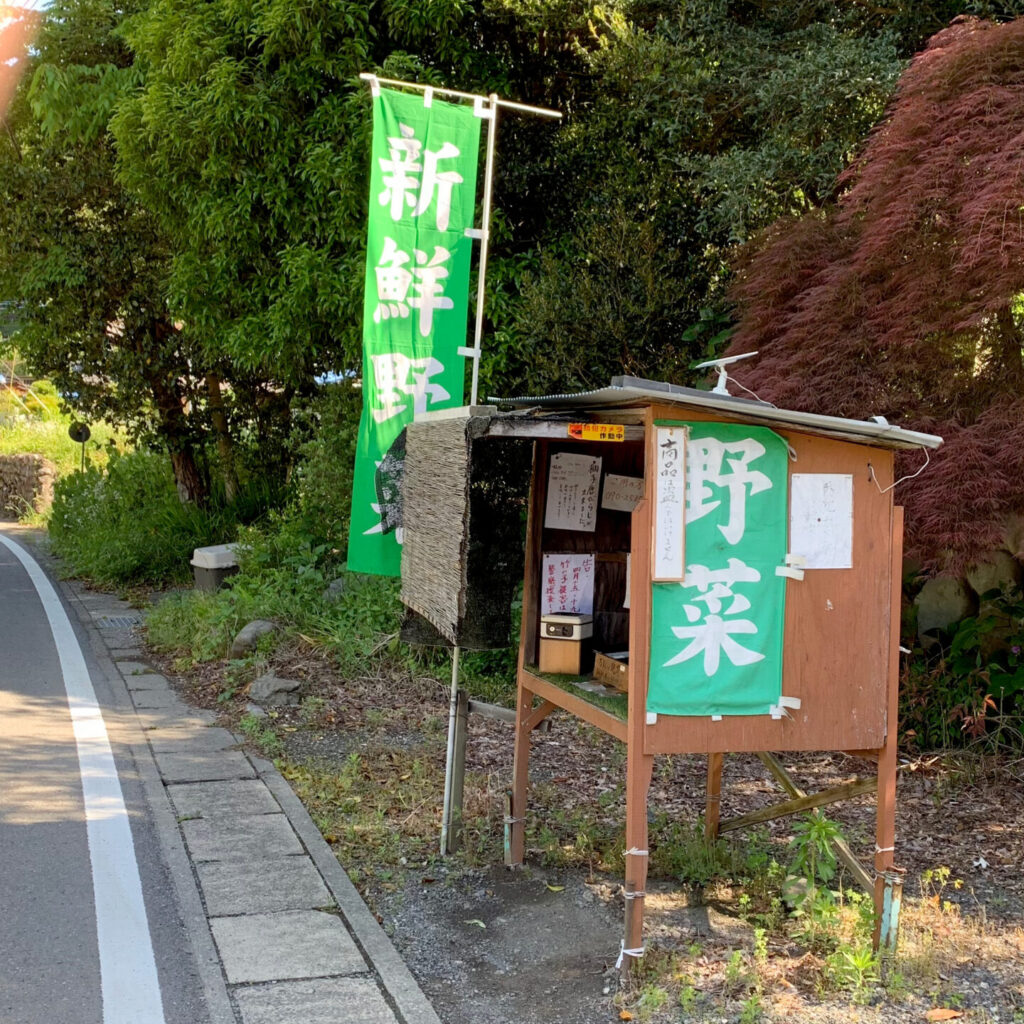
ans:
x=667 y=555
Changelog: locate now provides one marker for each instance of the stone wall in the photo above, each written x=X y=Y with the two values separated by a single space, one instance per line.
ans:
x=26 y=482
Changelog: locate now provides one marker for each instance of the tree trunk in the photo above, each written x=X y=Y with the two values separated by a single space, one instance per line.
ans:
x=221 y=430
x=1009 y=350
x=189 y=481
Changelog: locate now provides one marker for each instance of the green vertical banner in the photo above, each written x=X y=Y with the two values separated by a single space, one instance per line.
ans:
x=716 y=638
x=422 y=199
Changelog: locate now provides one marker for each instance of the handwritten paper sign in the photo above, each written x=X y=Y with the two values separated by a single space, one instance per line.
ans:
x=573 y=482
x=621 y=493
x=821 y=519
x=567 y=585
x=669 y=504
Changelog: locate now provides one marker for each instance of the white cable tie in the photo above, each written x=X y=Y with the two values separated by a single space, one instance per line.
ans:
x=905 y=650
x=797 y=561
x=638 y=895
x=884 y=849
x=428 y=97
x=484 y=113
x=623 y=953
x=652 y=718
x=716 y=718
x=777 y=712
x=785 y=570
x=478 y=233
x=790 y=702
x=634 y=852
x=374 y=86
x=512 y=821
x=468 y=353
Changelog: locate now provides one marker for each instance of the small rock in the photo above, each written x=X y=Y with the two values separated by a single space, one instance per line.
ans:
x=249 y=636
x=334 y=590
x=255 y=710
x=274 y=692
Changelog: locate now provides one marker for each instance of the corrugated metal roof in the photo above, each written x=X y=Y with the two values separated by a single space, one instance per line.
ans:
x=625 y=391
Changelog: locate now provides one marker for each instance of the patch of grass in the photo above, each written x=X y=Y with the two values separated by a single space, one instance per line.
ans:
x=381 y=810
x=262 y=733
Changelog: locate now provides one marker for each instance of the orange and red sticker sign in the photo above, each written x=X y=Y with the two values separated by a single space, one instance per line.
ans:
x=597 y=431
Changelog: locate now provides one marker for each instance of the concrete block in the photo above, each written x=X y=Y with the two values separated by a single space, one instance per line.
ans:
x=262 y=886
x=166 y=698
x=324 y=1001
x=232 y=798
x=203 y=740
x=200 y=766
x=285 y=946
x=134 y=668
x=147 y=681
x=248 y=837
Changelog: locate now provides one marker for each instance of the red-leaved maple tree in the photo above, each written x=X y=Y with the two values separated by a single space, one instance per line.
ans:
x=906 y=298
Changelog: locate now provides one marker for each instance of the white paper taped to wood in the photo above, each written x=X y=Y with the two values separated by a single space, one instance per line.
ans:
x=567 y=584
x=821 y=519
x=573 y=482
x=669 y=503
x=621 y=493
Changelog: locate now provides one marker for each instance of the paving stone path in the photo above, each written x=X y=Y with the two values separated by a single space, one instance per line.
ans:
x=295 y=942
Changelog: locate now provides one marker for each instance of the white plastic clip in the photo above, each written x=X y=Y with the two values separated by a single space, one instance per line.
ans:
x=484 y=113
x=468 y=353
x=797 y=561
x=374 y=86
x=652 y=718
x=785 y=570
x=428 y=97
x=780 y=710
x=477 y=233
x=716 y=718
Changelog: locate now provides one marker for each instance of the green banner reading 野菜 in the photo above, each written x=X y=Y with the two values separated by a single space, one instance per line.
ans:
x=422 y=200
x=716 y=638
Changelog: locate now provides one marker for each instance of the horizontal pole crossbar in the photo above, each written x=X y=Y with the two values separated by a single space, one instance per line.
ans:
x=368 y=76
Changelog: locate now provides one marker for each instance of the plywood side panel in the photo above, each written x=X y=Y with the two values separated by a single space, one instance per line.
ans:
x=837 y=628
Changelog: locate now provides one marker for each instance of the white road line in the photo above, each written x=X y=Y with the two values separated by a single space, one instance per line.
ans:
x=130 y=988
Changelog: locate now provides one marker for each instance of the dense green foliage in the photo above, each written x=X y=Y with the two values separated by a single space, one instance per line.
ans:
x=127 y=525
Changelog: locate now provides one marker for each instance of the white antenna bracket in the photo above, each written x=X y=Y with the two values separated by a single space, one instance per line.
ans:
x=723 y=375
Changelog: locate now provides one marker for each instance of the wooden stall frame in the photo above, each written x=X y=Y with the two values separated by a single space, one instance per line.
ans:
x=637 y=731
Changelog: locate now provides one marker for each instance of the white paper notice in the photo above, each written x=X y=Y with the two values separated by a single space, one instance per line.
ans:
x=821 y=519
x=621 y=493
x=567 y=585
x=573 y=483
x=669 y=503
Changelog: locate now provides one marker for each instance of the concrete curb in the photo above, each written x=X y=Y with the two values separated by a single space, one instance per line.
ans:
x=401 y=987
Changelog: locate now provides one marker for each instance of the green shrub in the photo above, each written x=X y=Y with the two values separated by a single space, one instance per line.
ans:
x=127 y=524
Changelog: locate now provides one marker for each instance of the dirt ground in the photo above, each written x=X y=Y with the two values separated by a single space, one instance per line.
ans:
x=494 y=946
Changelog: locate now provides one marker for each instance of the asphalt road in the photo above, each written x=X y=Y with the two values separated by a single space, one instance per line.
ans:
x=91 y=925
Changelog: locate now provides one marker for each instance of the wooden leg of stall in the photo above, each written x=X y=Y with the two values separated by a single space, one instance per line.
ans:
x=886 y=914
x=639 y=768
x=713 y=804
x=520 y=779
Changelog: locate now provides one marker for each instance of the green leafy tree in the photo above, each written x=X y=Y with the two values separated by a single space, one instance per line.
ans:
x=84 y=260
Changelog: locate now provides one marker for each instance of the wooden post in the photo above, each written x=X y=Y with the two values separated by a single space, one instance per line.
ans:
x=885 y=827
x=713 y=804
x=527 y=649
